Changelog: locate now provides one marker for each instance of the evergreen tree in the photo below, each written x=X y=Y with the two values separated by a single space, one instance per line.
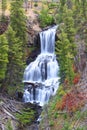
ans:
x=80 y=12
x=3 y=56
x=61 y=51
x=18 y=46
x=45 y=18
x=18 y=21
x=69 y=29
x=63 y=2
x=4 y=6
x=65 y=47
x=15 y=66
x=77 y=12
x=84 y=8
x=60 y=11
x=69 y=67
x=65 y=58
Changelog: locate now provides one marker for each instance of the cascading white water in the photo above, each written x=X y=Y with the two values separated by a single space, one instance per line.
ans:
x=41 y=76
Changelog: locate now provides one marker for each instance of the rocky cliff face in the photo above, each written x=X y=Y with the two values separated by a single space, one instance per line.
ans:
x=33 y=29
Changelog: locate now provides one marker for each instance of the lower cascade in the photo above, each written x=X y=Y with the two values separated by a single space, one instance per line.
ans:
x=41 y=76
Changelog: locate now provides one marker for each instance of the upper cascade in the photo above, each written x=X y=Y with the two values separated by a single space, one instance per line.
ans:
x=43 y=71
x=47 y=38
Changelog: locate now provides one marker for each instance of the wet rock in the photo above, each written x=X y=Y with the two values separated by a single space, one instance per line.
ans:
x=19 y=95
x=48 y=27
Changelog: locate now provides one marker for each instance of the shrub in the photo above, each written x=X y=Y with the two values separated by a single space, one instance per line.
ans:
x=76 y=79
x=51 y=123
x=52 y=5
x=26 y=117
x=66 y=126
x=45 y=18
x=71 y=101
x=35 y=4
x=9 y=125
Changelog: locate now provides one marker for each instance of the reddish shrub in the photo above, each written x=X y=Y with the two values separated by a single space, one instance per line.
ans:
x=76 y=79
x=71 y=101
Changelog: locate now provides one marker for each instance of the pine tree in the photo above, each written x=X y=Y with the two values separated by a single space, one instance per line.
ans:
x=63 y=2
x=61 y=51
x=84 y=8
x=18 y=21
x=70 y=29
x=69 y=67
x=65 y=58
x=4 y=6
x=15 y=66
x=66 y=47
x=60 y=11
x=80 y=12
x=3 y=56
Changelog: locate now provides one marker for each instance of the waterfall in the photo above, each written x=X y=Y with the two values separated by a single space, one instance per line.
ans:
x=41 y=76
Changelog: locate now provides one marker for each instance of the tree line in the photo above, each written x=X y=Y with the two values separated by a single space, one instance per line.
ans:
x=12 y=46
x=71 y=15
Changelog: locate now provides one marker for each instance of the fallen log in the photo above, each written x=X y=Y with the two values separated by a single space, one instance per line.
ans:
x=9 y=114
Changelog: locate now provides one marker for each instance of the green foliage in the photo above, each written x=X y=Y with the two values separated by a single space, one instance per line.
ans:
x=77 y=115
x=18 y=21
x=45 y=18
x=60 y=12
x=80 y=12
x=26 y=117
x=65 y=116
x=35 y=4
x=63 y=2
x=65 y=46
x=69 y=25
x=79 y=128
x=66 y=126
x=3 y=56
x=52 y=5
x=52 y=111
x=55 y=115
x=15 y=66
x=4 y=6
x=84 y=9
x=65 y=57
x=51 y=123
x=81 y=115
x=3 y=19
x=9 y=126
x=61 y=92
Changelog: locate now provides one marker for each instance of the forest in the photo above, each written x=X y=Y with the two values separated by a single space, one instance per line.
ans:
x=20 y=23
